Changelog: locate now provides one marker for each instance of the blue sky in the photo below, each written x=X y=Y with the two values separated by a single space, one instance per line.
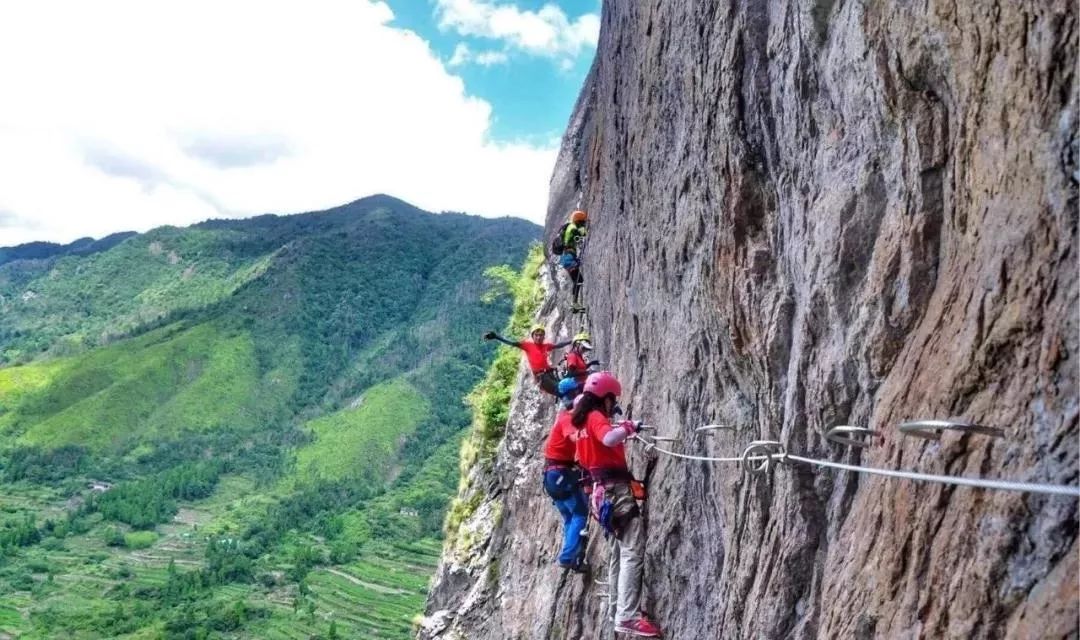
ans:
x=112 y=120
x=531 y=95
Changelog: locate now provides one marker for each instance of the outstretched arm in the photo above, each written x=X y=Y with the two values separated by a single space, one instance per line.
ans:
x=560 y=345
x=491 y=335
x=618 y=434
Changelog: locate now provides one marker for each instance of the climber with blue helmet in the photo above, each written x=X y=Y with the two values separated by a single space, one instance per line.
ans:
x=562 y=482
x=568 y=389
x=615 y=492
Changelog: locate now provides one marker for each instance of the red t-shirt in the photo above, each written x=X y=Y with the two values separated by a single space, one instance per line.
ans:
x=592 y=453
x=537 y=354
x=575 y=363
x=560 y=444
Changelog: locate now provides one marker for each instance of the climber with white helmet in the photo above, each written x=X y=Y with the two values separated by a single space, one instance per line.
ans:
x=614 y=497
x=562 y=482
x=537 y=353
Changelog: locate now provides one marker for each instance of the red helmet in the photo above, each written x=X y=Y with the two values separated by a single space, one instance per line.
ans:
x=602 y=383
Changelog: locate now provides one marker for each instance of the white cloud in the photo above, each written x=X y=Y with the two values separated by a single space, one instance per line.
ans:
x=127 y=115
x=464 y=55
x=547 y=32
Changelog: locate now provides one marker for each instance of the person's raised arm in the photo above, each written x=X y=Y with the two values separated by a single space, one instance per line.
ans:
x=491 y=335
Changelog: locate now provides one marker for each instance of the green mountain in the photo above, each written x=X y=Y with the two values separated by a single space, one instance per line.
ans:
x=239 y=429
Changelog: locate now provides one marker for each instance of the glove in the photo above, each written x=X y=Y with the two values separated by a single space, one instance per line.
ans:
x=490 y=335
x=631 y=426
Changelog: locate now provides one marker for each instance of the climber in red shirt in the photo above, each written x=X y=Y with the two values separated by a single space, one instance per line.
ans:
x=562 y=482
x=601 y=452
x=537 y=353
x=574 y=363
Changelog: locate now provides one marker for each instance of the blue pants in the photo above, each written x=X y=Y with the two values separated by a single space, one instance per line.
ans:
x=564 y=488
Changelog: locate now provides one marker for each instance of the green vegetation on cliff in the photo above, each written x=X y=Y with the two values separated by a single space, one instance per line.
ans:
x=490 y=399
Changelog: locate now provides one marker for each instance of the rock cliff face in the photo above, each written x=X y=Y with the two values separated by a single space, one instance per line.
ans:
x=805 y=214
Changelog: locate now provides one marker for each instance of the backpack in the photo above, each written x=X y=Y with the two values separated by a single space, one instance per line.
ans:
x=558 y=247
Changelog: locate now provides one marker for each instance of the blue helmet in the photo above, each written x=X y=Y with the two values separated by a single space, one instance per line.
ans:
x=569 y=387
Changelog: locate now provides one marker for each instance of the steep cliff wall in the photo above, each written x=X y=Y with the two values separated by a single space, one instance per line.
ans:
x=811 y=213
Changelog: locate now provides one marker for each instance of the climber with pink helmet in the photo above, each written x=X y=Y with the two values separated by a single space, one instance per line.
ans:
x=601 y=452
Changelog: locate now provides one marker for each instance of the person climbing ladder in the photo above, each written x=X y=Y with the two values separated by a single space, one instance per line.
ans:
x=562 y=483
x=567 y=245
x=601 y=452
x=536 y=352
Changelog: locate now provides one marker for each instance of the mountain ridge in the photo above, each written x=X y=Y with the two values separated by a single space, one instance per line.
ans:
x=230 y=424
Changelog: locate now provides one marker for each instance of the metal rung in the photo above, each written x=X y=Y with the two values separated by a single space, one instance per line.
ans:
x=836 y=434
x=928 y=428
x=709 y=428
x=665 y=439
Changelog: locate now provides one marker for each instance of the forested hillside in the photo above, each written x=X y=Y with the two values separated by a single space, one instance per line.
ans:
x=242 y=429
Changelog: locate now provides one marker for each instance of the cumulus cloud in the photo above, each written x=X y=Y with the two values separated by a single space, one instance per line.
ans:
x=546 y=32
x=128 y=115
x=464 y=55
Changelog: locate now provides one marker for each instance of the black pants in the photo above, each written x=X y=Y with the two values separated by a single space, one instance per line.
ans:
x=548 y=381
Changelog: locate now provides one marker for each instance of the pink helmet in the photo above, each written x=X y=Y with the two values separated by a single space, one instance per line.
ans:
x=601 y=383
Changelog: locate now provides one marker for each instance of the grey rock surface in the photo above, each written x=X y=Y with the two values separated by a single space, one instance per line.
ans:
x=805 y=214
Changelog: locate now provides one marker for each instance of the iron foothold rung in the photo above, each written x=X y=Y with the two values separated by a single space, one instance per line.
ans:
x=716 y=427
x=837 y=435
x=928 y=428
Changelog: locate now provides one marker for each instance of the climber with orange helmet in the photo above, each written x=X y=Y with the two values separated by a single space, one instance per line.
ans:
x=600 y=450
x=536 y=352
x=567 y=245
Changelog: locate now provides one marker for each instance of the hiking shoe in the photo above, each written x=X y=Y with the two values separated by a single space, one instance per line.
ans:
x=639 y=626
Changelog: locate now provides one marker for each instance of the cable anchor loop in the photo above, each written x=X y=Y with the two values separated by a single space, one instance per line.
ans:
x=760 y=455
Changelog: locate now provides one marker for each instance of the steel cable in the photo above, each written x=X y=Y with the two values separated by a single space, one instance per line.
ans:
x=784 y=457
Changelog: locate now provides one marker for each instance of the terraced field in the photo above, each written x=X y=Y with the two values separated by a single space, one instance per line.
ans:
x=81 y=579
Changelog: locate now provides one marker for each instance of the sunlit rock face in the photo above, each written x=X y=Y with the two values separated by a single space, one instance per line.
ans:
x=807 y=214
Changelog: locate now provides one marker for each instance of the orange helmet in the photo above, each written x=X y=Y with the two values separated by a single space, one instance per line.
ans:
x=578 y=216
